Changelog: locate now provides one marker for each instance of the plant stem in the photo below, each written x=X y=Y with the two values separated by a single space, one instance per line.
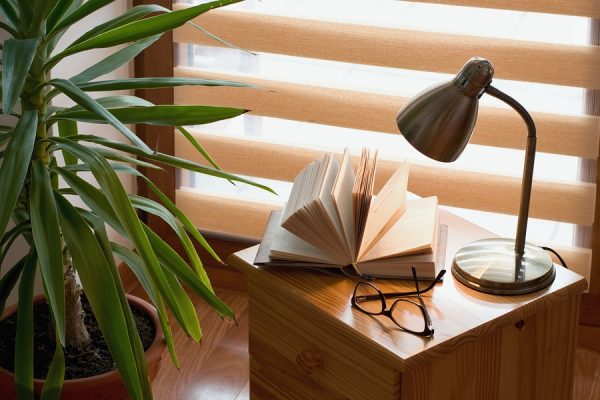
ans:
x=76 y=334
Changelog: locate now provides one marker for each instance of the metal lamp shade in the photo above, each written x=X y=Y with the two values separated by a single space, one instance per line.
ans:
x=439 y=122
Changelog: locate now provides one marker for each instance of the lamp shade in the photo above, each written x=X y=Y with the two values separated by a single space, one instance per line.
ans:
x=439 y=121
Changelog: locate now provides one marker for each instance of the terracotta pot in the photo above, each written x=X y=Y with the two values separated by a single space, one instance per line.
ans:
x=107 y=386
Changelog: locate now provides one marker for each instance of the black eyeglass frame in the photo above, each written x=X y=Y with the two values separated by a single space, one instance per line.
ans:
x=388 y=312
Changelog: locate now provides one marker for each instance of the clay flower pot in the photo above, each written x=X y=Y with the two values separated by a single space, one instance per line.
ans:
x=107 y=386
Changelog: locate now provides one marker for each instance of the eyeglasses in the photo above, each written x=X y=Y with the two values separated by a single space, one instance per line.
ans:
x=370 y=300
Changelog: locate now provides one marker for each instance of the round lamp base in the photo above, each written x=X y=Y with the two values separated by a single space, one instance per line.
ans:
x=491 y=266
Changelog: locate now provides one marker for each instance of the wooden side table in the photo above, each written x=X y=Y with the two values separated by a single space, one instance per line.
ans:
x=306 y=341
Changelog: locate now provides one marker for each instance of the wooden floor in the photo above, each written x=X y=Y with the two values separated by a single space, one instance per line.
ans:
x=217 y=368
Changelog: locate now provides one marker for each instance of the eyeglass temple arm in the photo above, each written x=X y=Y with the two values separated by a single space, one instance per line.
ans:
x=371 y=297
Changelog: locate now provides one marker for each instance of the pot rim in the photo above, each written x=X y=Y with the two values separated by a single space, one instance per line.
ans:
x=133 y=300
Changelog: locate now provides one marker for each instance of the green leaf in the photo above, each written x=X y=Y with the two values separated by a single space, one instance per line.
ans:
x=83 y=99
x=24 y=337
x=174 y=263
x=68 y=128
x=102 y=292
x=121 y=206
x=25 y=15
x=57 y=13
x=79 y=13
x=46 y=236
x=138 y=350
x=198 y=147
x=141 y=29
x=189 y=226
x=17 y=57
x=53 y=39
x=135 y=263
x=220 y=40
x=114 y=61
x=111 y=155
x=9 y=238
x=170 y=115
x=153 y=83
x=9 y=13
x=163 y=213
x=99 y=204
x=8 y=282
x=168 y=160
x=184 y=312
x=56 y=375
x=4 y=137
x=133 y=14
x=114 y=102
x=8 y=29
x=14 y=166
x=39 y=10
x=186 y=242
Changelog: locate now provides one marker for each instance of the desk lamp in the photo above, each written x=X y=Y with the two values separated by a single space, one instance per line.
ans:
x=438 y=122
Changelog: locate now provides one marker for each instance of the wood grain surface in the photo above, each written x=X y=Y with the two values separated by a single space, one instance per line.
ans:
x=485 y=346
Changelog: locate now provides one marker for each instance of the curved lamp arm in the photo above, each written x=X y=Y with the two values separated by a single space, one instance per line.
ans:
x=527 y=168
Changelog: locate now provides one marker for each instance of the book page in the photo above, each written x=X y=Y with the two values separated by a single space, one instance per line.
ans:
x=284 y=245
x=362 y=193
x=341 y=195
x=428 y=265
x=414 y=231
x=385 y=209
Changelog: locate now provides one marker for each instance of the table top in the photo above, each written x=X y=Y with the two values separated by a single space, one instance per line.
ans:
x=459 y=314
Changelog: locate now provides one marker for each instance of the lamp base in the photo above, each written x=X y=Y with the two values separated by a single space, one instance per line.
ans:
x=491 y=266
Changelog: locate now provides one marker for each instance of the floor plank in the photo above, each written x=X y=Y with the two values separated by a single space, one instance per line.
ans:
x=587 y=375
x=217 y=368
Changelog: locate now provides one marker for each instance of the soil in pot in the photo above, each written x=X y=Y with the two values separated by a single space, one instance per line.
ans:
x=96 y=358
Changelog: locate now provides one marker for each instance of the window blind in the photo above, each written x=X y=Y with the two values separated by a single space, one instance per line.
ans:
x=556 y=64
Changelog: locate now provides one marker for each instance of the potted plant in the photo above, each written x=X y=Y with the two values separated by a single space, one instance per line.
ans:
x=66 y=240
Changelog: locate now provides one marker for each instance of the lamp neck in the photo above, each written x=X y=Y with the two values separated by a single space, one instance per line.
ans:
x=527 y=168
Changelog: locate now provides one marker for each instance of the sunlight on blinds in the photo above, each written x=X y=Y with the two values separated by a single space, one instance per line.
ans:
x=343 y=98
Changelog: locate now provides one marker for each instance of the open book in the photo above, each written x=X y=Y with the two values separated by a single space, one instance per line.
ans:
x=332 y=219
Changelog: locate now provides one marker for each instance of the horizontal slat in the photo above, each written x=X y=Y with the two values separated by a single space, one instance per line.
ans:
x=568 y=65
x=248 y=219
x=566 y=202
x=570 y=135
x=227 y=216
x=582 y=8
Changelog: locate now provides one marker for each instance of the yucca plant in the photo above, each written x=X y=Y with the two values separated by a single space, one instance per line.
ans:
x=43 y=146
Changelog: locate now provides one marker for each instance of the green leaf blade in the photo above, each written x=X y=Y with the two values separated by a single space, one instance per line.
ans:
x=15 y=164
x=55 y=377
x=68 y=128
x=133 y=14
x=46 y=236
x=8 y=282
x=154 y=83
x=169 y=115
x=142 y=29
x=24 y=337
x=17 y=57
x=101 y=292
x=113 y=61
x=83 y=99
x=79 y=13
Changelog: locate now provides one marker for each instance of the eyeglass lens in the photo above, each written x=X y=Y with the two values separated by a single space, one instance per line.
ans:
x=405 y=313
x=408 y=315
x=368 y=298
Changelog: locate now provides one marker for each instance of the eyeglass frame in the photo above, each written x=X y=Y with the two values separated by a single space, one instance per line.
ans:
x=428 y=330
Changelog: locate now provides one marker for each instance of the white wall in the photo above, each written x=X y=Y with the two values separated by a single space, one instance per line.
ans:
x=69 y=67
